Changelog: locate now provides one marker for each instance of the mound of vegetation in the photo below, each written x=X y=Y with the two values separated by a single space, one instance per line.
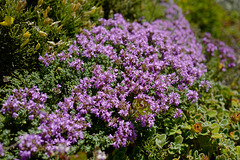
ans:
x=124 y=90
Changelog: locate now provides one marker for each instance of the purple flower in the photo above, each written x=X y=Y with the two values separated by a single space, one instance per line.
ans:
x=29 y=143
x=225 y=53
x=174 y=98
x=125 y=131
x=30 y=99
x=205 y=84
x=178 y=113
x=192 y=95
x=77 y=64
x=1 y=150
x=25 y=155
x=47 y=59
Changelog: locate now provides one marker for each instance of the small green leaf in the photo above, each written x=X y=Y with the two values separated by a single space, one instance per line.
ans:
x=186 y=126
x=178 y=139
x=195 y=154
x=223 y=123
x=238 y=149
x=212 y=113
x=215 y=127
x=178 y=131
x=203 y=109
x=216 y=135
x=198 y=116
x=160 y=140
x=191 y=108
x=171 y=151
x=226 y=113
x=235 y=135
x=172 y=132
x=234 y=103
x=221 y=157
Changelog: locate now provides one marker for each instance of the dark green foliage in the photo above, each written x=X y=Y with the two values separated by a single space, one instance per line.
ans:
x=207 y=15
x=51 y=24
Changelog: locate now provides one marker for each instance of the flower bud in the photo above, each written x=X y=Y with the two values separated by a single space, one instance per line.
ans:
x=37 y=46
x=55 y=23
x=220 y=66
x=63 y=2
x=73 y=7
x=48 y=9
x=21 y=5
x=24 y=43
x=77 y=6
x=93 y=9
x=24 y=3
x=40 y=2
x=59 y=28
x=59 y=43
x=74 y=14
x=5 y=79
x=8 y=20
x=45 y=13
x=52 y=43
x=48 y=21
x=24 y=30
x=42 y=33
x=27 y=34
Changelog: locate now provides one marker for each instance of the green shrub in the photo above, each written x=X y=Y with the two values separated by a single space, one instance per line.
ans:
x=206 y=15
x=39 y=27
x=209 y=16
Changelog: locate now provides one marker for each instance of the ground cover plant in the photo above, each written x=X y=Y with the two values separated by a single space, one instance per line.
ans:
x=125 y=90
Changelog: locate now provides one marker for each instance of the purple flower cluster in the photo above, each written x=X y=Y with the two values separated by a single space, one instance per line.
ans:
x=178 y=113
x=77 y=64
x=225 y=53
x=125 y=131
x=154 y=67
x=47 y=59
x=1 y=150
x=63 y=56
x=156 y=57
x=30 y=99
x=174 y=98
x=55 y=127
x=192 y=95
x=205 y=84
x=58 y=127
x=29 y=143
x=151 y=59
